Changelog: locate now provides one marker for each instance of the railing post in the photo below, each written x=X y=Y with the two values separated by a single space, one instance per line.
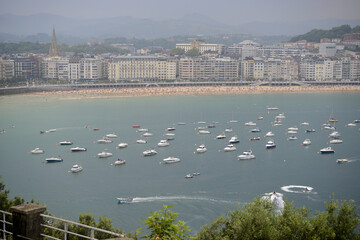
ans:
x=65 y=231
x=27 y=221
x=4 y=226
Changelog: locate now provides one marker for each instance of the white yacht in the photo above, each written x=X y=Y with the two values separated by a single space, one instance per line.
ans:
x=122 y=145
x=150 y=152
x=76 y=168
x=228 y=130
x=119 y=162
x=78 y=149
x=170 y=129
x=291 y=138
x=270 y=144
x=250 y=124
x=336 y=141
x=37 y=151
x=201 y=148
x=111 y=135
x=163 y=143
x=304 y=124
x=255 y=130
x=246 y=155
x=293 y=129
x=334 y=134
x=143 y=130
x=269 y=134
x=292 y=132
x=65 y=143
x=306 y=142
x=104 y=154
x=327 y=150
x=351 y=125
x=53 y=159
x=221 y=136
x=141 y=141
x=147 y=134
x=272 y=108
x=204 y=132
x=234 y=139
x=171 y=160
x=104 y=140
x=229 y=148
x=280 y=116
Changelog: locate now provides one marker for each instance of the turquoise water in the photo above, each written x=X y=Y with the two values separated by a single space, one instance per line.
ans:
x=224 y=180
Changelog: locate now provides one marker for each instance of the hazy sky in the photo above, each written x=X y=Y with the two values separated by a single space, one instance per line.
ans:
x=226 y=11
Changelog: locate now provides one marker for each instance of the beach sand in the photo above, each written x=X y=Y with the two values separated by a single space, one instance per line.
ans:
x=198 y=90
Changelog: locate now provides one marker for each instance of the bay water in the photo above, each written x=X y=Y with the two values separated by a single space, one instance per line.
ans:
x=224 y=181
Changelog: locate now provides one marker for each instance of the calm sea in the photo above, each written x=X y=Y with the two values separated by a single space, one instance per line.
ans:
x=224 y=181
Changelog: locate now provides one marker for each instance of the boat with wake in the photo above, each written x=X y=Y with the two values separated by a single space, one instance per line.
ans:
x=124 y=200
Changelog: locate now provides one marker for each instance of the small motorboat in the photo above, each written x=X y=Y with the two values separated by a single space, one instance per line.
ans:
x=171 y=160
x=96 y=129
x=221 y=136
x=228 y=130
x=41 y=132
x=204 y=132
x=51 y=130
x=169 y=129
x=141 y=141
x=65 y=143
x=150 y=152
x=327 y=150
x=143 y=130
x=292 y=132
x=335 y=141
x=292 y=138
x=104 y=154
x=211 y=126
x=342 y=160
x=246 y=155
x=293 y=129
x=351 y=125
x=163 y=143
x=272 y=108
x=122 y=145
x=104 y=140
x=234 y=139
x=78 y=149
x=189 y=175
x=269 y=134
x=53 y=159
x=170 y=138
x=111 y=135
x=233 y=121
x=119 y=162
x=124 y=200
x=310 y=130
x=260 y=118
x=306 y=142
x=230 y=148
x=201 y=149
x=249 y=124
x=255 y=130
x=335 y=134
x=280 y=116
x=76 y=168
x=304 y=124
x=254 y=138
x=37 y=151
x=270 y=144
x=136 y=126
x=147 y=134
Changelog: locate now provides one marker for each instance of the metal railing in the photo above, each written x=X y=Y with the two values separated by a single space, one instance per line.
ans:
x=4 y=223
x=66 y=228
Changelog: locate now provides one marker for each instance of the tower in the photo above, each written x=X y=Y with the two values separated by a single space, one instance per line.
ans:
x=53 y=52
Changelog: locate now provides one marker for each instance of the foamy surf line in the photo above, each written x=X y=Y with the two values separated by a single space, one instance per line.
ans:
x=176 y=198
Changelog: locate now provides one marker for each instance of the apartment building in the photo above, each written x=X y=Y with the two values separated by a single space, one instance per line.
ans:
x=202 y=46
x=7 y=69
x=55 y=68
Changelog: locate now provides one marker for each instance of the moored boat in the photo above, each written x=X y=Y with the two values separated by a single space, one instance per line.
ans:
x=335 y=141
x=306 y=142
x=65 y=143
x=221 y=136
x=249 y=124
x=246 y=155
x=111 y=135
x=163 y=143
x=150 y=152
x=141 y=141
x=229 y=148
x=327 y=150
x=201 y=149
x=270 y=144
x=234 y=139
x=104 y=154
x=269 y=134
x=254 y=138
x=147 y=134
x=37 y=151
x=119 y=162
x=76 y=168
x=78 y=149
x=171 y=160
x=104 y=140
x=122 y=145
x=53 y=159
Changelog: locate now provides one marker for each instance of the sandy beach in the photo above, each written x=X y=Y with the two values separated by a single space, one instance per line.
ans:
x=201 y=90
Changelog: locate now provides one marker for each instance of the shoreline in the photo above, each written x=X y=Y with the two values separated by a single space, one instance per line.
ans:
x=192 y=91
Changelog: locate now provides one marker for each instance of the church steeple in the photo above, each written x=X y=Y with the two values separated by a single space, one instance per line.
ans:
x=53 y=52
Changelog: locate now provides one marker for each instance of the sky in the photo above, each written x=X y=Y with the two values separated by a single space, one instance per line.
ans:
x=226 y=11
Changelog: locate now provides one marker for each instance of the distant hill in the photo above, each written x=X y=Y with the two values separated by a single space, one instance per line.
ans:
x=316 y=35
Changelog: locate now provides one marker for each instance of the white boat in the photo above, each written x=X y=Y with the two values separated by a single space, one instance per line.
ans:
x=37 y=151
x=334 y=134
x=201 y=148
x=292 y=132
x=255 y=130
x=171 y=160
x=221 y=136
x=143 y=130
x=233 y=121
x=122 y=145
x=150 y=152
x=229 y=148
x=189 y=175
x=201 y=122
x=163 y=143
x=280 y=116
x=104 y=140
x=76 y=168
x=306 y=142
x=351 y=125
x=249 y=124
x=336 y=141
x=53 y=159
x=270 y=144
x=304 y=124
x=111 y=135
x=272 y=108
x=78 y=149
x=124 y=200
x=246 y=155
x=291 y=138
x=65 y=143
x=104 y=154
x=51 y=130
x=170 y=134
x=310 y=130
x=228 y=130
x=327 y=150
x=181 y=123
x=204 y=132
x=147 y=134
x=293 y=129
x=342 y=160
x=141 y=141
x=234 y=139
x=119 y=162
x=170 y=129
x=269 y=134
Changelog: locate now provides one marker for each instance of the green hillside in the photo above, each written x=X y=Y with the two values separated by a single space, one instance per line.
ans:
x=316 y=34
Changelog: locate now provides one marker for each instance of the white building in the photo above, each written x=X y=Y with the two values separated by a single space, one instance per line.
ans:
x=327 y=49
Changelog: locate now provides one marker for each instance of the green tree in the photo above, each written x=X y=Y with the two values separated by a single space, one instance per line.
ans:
x=177 y=51
x=194 y=52
x=161 y=225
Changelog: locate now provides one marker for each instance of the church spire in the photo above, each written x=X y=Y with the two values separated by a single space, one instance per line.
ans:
x=53 y=52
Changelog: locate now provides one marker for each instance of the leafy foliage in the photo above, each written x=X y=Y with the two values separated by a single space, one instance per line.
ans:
x=177 y=51
x=161 y=225
x=316 y=34
x=194 y=52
